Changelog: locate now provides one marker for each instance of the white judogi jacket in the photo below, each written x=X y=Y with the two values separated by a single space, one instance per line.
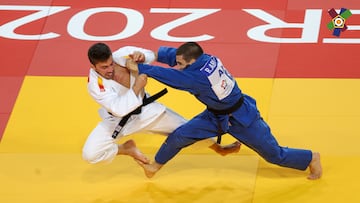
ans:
x=120 y=100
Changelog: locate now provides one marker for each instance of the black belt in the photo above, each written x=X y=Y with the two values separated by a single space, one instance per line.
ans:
x=228 y=110
x=146 y=101
x=225 y=112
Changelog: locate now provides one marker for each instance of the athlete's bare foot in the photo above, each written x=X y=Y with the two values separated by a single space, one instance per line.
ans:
x=227 y=149
x=129 y=148
x=150 y=169
x=315 y=167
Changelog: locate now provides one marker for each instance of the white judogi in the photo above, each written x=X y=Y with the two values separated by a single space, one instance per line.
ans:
x=120 y=100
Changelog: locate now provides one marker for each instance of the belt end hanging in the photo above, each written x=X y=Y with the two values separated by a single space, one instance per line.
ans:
x=218 y=139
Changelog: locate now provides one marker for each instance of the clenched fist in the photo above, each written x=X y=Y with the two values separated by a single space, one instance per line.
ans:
x=131 y=65
x=138 y=57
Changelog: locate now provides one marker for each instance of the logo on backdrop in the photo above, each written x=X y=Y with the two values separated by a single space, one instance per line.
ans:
x=337 y=23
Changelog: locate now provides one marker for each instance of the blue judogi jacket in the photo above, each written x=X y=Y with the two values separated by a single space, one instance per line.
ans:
x=209 y=81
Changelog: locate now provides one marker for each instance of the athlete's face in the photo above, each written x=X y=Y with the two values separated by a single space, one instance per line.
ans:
x=105 y=68
x=181 y=63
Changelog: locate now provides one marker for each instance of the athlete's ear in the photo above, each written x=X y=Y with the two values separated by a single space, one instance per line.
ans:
x=191 y=61
x=92 y=66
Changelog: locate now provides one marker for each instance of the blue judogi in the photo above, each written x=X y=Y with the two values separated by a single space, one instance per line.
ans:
x=209 y=81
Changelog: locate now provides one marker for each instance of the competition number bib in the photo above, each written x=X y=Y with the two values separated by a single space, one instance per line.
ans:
x=222 y=83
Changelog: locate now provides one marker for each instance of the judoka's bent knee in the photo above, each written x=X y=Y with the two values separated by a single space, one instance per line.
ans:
x=103 y=156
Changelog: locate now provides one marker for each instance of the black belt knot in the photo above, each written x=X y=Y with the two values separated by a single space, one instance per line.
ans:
x=235 y=107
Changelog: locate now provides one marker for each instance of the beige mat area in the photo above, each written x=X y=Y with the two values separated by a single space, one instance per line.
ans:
x=66 y=178
x=40 y=153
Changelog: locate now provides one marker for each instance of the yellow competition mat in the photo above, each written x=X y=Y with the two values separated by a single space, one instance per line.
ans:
x=40 y=152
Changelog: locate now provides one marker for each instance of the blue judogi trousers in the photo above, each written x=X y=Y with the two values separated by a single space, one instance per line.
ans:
x=257 y=136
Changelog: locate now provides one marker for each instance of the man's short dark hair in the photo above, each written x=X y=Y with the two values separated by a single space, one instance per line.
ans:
x=190 y=50
x=99 y=52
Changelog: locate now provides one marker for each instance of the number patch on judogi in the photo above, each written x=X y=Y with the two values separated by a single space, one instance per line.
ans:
x=221 y=81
